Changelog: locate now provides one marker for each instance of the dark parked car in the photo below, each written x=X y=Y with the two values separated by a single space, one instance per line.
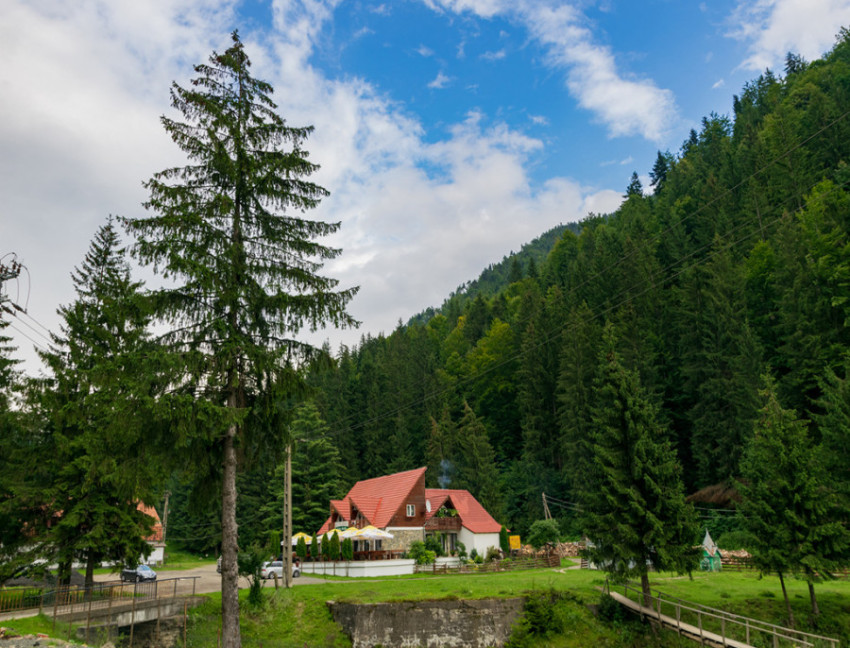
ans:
x=138 y=574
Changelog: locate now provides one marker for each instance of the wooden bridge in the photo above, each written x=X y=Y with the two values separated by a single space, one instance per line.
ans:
x=111 y=604
x=712 y=626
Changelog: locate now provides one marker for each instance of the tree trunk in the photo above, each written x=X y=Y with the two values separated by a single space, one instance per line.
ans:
x=230 y=634
x=647 y=593
x=815 y=609
x=787 y=602
x=91 y=559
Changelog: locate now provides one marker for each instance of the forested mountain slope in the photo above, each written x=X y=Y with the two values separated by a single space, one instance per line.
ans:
x=498 y=276
x=735 y=267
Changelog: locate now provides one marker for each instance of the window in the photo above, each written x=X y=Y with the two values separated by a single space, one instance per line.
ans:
x=411 y=510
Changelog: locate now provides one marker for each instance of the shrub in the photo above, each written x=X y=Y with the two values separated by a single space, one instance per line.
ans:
x=420 y=554
x=461 y=551
x=250 y=565
x=434 y=543
x=504 y=541
x=544 y=614
x=493 y=554
x=543 y=531
x=301 y=549
x=609 y=609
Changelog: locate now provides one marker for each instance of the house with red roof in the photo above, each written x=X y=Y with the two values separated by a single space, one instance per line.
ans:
x=155 y=540
x=401 y=505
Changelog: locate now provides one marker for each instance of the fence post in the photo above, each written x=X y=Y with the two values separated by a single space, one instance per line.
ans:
x=699 y=622
x=748 y=630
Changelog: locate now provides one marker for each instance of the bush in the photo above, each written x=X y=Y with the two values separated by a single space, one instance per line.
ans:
x=434 y=543
x=609 y=609
x=461 y=551
x=504 y=541
x=544 y=614
x=543 y=531
x=250 y=564
x=493 y=554
x=420 y=554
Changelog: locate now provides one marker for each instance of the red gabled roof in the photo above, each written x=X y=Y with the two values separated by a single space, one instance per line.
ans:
x=472 y=515
x=376 y=499
x=379 y=498
x=156 y=529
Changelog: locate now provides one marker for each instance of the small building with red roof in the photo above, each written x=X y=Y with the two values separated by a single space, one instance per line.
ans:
x=401 y=505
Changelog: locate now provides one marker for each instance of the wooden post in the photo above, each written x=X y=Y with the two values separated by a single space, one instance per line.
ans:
x=748 y=630
x=133 y=614
x=184 y=623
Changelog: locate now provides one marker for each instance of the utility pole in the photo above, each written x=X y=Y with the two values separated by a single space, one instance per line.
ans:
x=165 y=523
x=7 y=272
x=547 y=515
x=286 y=545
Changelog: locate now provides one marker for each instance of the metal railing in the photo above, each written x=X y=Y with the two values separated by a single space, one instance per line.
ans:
x=70 y=599
x=712 y=624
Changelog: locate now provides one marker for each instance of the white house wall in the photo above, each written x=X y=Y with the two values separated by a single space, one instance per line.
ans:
x=481 y=542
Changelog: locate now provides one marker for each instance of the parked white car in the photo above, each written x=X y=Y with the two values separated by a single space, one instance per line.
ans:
x=276 y=567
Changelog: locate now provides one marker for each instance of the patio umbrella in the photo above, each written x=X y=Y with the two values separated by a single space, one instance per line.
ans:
x=350 y=532
x=372 y=533
x=307 y=538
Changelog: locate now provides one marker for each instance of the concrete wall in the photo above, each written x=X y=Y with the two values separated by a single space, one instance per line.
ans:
x=481 y=542
x=359 y=568
x=428 y=624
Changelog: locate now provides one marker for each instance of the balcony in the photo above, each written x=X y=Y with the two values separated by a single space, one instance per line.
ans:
x=443 y=524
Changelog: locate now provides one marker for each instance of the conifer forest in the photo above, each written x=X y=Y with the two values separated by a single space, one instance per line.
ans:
x=688 y=354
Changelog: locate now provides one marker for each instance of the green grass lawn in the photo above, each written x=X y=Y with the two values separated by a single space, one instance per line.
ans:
x=300 y=617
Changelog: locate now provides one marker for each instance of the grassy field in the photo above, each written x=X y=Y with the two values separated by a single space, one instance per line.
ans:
x=300 y=617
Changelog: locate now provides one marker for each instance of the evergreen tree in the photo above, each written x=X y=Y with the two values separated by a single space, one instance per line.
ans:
x=316 y=474
x=635 y=187
x=476 y=463
x=515 y=271
x=721 y=364
x=441 y=451
x=635 y=511
x=244 y=269
x=658 y=175
x=99 y=404
x=789 y=515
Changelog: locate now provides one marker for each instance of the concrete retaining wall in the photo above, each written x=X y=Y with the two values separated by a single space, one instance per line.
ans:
x=428 y=624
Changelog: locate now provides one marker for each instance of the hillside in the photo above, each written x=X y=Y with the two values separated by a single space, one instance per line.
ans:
x=497 y=276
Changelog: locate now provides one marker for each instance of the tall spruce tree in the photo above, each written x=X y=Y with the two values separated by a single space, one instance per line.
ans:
x=792 y=519
x=476 y=463
x=96 y=405
x=244 y=268
x=635 y=511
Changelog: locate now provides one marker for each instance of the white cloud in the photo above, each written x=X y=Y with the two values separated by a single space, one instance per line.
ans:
x=418 y=216
x=539 y=120
x=774 y=27
x=440 y=82
x=493 y=56
x=718 y=84
x=422 y=50
x=625 y=106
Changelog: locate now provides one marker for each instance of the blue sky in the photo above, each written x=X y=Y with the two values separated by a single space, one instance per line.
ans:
x=449 y=132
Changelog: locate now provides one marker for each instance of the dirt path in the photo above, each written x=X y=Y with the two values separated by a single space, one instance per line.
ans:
x=209 y=580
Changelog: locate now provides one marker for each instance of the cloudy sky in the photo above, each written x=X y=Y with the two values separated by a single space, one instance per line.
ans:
x=449 y=132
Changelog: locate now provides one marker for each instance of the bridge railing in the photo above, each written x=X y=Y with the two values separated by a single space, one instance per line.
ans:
x=70 y=599
x=728 y=626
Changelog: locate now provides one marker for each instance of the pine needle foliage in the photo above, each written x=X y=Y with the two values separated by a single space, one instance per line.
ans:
x=635 y=513
x=228 y=232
